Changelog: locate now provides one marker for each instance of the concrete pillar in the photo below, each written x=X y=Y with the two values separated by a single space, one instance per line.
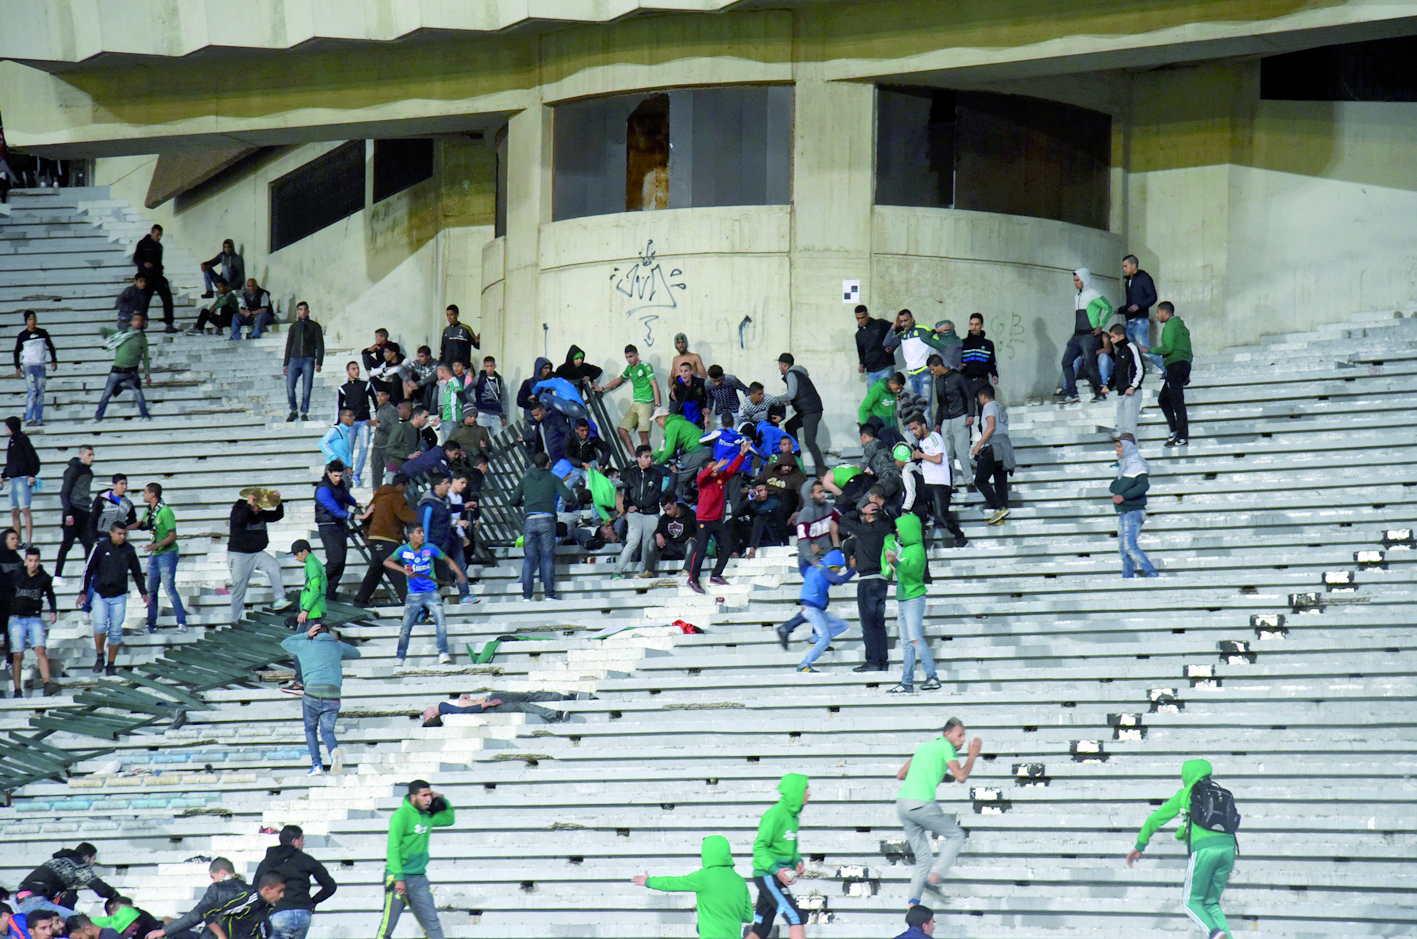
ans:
x=518 y=336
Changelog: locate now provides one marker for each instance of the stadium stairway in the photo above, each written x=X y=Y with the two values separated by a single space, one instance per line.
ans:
x=1277 y=644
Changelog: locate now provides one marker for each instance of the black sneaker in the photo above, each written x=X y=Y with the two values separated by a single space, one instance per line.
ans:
x=1182 y=442
x=290 y=417
x=304 y=416
x=1100 y=396
x=901 y=689
x=170 y=328
x=110 y=670
x=98 y=664
x=50 y=689
x=18 y=694
x=1070 y=399
x=868 y=667
x=961 y=541
x=695 y=586
x=782 y=635
x=1170 y=441
x=208 y=295
x=930 y=684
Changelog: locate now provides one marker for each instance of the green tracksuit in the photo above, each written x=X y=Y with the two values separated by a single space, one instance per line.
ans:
x=409 y=831
x=722 y=894
x=1212 y=852
x=312 y=595
x=776 y=844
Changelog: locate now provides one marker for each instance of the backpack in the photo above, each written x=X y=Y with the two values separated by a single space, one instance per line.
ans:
x=1212 y=808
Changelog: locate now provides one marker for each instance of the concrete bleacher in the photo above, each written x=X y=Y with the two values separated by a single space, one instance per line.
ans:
x=1277 y=644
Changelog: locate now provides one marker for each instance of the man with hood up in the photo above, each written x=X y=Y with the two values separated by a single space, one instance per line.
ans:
x=777 y=860
x=807 y=405
x=291 y=919
x=406 y=867
x=577 y=370
x=720 y=892
x=817 y=582
x=905 y=559
x=526 y=398
x=1129 y=498
x=1090 y=313
x=1212 y=853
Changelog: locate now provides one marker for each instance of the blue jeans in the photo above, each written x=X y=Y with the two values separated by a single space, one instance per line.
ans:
x=297 y=367
x=21 y=492
x=320 y=714
x=117 y=381
x=1128 y=527
x=363 y=433
x=1155 y=360
x=34 y=392
x=877 y=375
x=257 y=324
x=913 y=641
x=108 y=616
x=164 y=567
x=431 y=601
x=825 y=627
x=455 y=550
x=290 y=924
x=920 y=384
x=539 y=553
x=34 y=902
x=1139 y=331
x=1105 y=364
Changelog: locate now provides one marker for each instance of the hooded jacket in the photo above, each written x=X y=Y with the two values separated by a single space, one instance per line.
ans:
x=1175 y=344
x=776 y=845
x=1192 y=772
x=218 y=896
x=321 y=670
x=62 y=877
x=876 y=459
x=20 y=458
x=1132 y=480
x=814 y=524
x=572 y=372
x=977 y=357
x=148 y=251
x=721 y=893
x=248 y=528
x=409 y=831
x=338 y=444
x=680 y=437
x=820 y=578
x=784 y=479
x=297 y=868
x=865 y=542
x=107 y=509
x=1130 y=368
x=74 y=490
x=490 y=393
x=801 y=393
x=909 y=569
x=879 y=402
x=436 y=517
x=525 y=393
x=1091 y=309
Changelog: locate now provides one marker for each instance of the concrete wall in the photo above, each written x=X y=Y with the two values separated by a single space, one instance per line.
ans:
x=395 y=264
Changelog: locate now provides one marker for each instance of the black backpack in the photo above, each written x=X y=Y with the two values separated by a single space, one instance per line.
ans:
x=1212 y=808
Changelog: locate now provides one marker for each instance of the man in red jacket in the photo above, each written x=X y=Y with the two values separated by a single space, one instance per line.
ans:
x=710 y=518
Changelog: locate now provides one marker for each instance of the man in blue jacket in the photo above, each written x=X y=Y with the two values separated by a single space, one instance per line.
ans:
x=1141 y=294
x=320 y=656
x=817 y=581
x=920 y=923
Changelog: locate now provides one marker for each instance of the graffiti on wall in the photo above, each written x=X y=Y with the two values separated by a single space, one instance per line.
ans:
x=648 y=287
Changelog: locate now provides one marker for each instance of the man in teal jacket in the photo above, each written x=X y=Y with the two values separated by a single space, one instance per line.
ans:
x=406 y=867
x=320 y=657
x=720 y=891
x=777 y=862
x=1212 y=854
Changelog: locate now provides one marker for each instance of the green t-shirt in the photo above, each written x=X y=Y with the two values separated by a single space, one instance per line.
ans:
x=640 y=376
x=927 y=770
x=161 y=523
x=845 y=473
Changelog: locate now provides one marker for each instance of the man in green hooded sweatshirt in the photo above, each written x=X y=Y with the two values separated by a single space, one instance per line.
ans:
x=720 y=891
x=405 y=873
x=903 y=560
x=777 y=862
x=1212 y=854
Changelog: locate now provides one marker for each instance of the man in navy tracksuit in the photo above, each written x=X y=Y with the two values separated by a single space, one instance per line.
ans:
x=436 y=517
x=334 y=507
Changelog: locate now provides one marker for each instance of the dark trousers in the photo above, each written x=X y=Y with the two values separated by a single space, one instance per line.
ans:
x=1085 y=345
x=938 y=502
x=157 y=284
x=79 y=530
x=996 y=496
x=377 y=457
x=220 y=320
x=871 y=606
x=379 y=552
x=804 y=428
x=972 y=384
x=1173 y=398
x=719 y=531
x=336 y=548
x=768 y=529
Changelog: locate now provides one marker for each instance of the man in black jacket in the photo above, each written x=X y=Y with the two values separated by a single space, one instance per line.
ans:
x=644 y=483
x=1141 y=294
x=21 y=469
x=291 y=919
x=110 y=563
x=874 y=360
x=802 y=394
x=865 y=530
x=304 y=355
x=56 y=883
x=29 y=587
x=246 y=548
x=227 y=895
x=147 y=257
x=458 y=341
x=977 y=361
x=952 y=420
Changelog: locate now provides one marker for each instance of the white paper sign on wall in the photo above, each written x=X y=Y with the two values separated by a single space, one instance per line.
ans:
x=851 y=291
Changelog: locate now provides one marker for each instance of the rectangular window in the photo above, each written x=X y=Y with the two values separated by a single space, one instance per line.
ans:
x=988 y=152
x=1378 y=70
x=317 y=194
x=399 y=164
x=677 y=149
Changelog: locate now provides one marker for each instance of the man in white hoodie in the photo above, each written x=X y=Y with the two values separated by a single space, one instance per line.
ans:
x=1091 y=311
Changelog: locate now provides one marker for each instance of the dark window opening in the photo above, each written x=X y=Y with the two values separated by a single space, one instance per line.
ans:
x=317 y=194
x=399 y=164
x=1378 y=70
x=988 y=152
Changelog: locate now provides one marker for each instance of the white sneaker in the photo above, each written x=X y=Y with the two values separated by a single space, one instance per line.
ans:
x=61 y=581
x=284 y=603
x=444 y=658
x=398 y=663
x=315 y=771
x=336 y=761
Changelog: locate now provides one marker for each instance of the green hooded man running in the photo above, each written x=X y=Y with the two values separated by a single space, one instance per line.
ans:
x=777 y=861
x=720 y=891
